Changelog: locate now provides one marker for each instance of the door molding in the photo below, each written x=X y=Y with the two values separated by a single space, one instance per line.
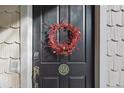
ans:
x=97 y=46
x=26 y=46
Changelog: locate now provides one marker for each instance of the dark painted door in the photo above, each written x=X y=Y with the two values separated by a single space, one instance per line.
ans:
x=80 y=64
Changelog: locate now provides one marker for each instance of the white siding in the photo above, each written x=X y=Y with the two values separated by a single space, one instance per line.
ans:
x=9 y=46
x=112 y=46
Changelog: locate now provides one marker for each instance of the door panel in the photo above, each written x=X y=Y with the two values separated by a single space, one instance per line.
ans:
x=76 y=18
x=77 y=82
x=47 y=17
x=50 y=82
x=80 y=63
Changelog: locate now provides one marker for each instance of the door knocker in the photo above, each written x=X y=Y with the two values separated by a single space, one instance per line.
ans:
x=63 y=69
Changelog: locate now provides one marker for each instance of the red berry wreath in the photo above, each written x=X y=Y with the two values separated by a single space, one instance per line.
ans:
x=64 y=48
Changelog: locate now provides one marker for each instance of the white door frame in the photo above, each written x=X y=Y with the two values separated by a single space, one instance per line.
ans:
x=103 y=47
x=26 y=46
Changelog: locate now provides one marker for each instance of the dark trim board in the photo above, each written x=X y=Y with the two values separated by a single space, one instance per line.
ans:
x=97 y=46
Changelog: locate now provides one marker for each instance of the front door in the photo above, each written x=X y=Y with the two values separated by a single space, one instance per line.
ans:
x=57 y=71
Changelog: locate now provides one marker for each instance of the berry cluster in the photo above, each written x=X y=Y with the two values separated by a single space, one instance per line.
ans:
x=66 y=47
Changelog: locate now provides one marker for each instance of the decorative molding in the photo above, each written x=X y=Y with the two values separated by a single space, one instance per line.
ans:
x=26 y=46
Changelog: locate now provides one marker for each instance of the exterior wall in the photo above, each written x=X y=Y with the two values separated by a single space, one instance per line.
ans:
x=9 y=46
x=112 y=46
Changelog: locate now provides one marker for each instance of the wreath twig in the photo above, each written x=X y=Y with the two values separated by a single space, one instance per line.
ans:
x=64 y=48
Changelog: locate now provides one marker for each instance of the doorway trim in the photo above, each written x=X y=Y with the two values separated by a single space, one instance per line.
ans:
x=97 y=46
x=26 y=46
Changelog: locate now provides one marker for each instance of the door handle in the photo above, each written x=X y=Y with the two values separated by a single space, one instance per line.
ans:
x=35 y=76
